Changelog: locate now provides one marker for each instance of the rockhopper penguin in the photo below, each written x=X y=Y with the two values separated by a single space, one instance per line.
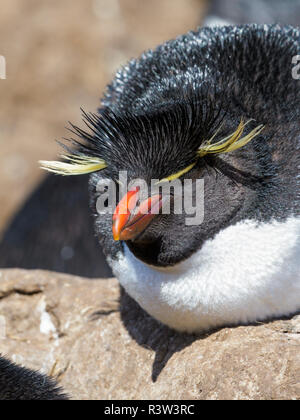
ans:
x=220 y=105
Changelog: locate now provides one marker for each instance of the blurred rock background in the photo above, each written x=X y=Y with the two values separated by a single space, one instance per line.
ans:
x=59 y=57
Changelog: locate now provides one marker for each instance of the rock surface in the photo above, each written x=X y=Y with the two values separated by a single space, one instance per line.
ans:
x=101 y=345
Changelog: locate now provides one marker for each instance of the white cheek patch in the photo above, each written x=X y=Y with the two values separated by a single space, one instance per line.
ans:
x=248 y=272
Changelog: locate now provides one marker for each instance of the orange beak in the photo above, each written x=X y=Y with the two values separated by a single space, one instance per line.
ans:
x=130 y=220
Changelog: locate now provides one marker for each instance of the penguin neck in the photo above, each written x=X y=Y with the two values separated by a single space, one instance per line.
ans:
x=247 y=272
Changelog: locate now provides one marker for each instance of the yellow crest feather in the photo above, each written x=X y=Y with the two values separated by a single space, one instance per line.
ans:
x=231 y=142
x=81 y=164
x=228 y=144
x=76 y=165
x=177 y=175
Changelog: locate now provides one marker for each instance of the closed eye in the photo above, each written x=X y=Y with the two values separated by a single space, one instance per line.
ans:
x=230 y=143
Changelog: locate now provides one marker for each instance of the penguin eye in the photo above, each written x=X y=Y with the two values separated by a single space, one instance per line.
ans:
x=230 y=143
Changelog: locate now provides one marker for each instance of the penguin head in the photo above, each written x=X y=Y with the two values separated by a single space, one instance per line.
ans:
x=171 y=148
x=189 y=111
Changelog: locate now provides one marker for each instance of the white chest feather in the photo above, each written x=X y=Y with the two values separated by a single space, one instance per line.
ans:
x=247 y=272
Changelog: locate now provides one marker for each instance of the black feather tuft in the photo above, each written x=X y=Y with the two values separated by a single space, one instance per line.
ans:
x=18 y=383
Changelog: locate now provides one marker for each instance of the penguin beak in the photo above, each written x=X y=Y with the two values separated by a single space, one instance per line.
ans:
x=130 y=218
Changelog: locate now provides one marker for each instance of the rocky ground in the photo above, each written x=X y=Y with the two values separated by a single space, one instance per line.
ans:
x=100 y=345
